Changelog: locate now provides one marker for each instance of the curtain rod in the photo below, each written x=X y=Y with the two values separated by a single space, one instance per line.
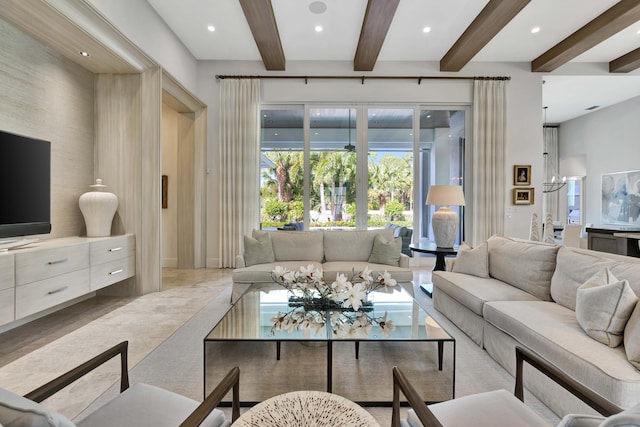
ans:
x=362 y=78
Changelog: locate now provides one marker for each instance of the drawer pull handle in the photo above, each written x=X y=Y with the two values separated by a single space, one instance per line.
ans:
x=60 y=261
x=116 y=272
x=64 y=288
x=115 y=249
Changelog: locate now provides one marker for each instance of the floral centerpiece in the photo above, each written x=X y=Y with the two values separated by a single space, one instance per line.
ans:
x=309 y=287
x=346 y=298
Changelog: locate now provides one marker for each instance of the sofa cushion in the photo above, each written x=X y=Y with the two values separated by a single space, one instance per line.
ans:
x=261 y=273
x=18 y=411
x=353 y=245
x=603 y=307
x=258 y=250
x=473 y=292
x=575 y=266
x=474 y=261
x=386 y=251
x=331 y=269
x=632 y=337
x=296 y=245
x=552 y=331
x=524 y=264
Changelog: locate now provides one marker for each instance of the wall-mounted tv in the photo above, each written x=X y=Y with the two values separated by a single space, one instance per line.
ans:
x=25 y=186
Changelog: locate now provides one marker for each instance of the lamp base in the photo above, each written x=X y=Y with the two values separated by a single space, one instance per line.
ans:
x=445 y=226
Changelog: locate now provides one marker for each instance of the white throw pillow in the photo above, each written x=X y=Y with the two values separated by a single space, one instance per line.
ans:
x=474 y=261
x=603 y=307
x=258 y=249
x=18 y=411
x=632 y=338
x=386 y=251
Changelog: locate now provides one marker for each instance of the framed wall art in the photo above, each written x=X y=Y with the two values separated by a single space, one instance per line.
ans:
x=521 y=174
x=523 y=196
x=621 y=198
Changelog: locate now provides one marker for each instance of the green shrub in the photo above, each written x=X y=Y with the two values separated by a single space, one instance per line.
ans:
x=394 y=211
x=275 y=210
x=295 y=211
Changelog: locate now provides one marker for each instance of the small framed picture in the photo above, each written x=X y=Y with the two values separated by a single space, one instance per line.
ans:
x=523 y=196
x=522 y=175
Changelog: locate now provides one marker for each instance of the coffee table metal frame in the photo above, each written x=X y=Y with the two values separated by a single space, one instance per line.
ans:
x=329 y=339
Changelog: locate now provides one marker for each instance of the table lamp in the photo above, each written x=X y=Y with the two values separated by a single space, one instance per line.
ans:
x=445 y=221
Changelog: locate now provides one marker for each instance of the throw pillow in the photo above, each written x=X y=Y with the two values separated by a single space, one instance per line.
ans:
x=18 y=411
x=603 y=307
x=474 y=261
x=632 y=338
x=258 y=249
x=386 y=251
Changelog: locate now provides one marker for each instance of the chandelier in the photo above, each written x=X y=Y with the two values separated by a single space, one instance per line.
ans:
x=556 y=182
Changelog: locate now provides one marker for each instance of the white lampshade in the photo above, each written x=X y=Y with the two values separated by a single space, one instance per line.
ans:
x=445 y=221
x=445 y=195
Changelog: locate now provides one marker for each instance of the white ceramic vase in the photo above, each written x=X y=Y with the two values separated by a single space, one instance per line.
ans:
x=445 y=226
x=98 y=208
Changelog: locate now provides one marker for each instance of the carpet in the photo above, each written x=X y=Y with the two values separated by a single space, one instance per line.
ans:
x=177 y=365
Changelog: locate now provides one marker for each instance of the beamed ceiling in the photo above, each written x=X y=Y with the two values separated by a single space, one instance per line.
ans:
x=375 y=30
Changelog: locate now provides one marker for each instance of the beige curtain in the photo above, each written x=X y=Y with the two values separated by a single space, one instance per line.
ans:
x=239 y=165
x=551 y=201
x=488 y=153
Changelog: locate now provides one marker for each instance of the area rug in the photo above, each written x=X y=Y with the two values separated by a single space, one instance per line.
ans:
x=178 y=365
x=145 y=322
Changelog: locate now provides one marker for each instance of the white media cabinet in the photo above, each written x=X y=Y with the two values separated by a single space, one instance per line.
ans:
x=48 y=273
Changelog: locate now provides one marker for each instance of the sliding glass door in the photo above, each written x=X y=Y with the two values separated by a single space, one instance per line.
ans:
x=359 y=166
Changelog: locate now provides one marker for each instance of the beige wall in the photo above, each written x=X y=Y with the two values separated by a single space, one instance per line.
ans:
x=170 y=168
x=46 y=96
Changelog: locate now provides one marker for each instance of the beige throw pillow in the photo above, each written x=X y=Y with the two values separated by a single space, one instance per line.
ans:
x=258 y=249
x=386 y=251
x=19 y=411
x=632 y=338
x=603 y=307
x=474 y=261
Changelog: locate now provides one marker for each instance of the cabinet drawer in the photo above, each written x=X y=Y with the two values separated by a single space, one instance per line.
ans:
x=111 y=272
x=40 y=295
x=111 y=249
x=6 y=271
x=46 y=263
x=6 y=306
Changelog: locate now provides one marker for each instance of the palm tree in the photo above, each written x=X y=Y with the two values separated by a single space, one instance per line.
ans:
x=335 y=169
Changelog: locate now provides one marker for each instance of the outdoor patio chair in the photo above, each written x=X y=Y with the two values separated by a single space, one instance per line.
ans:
x=141 y=405
x=500 y=408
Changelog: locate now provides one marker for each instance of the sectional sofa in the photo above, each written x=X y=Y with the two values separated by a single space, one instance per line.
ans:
x=332 y=251
x=575 y=307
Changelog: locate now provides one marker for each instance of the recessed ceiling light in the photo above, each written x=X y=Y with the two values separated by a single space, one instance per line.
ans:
x=535 y=30
x=426 y=29
x=211 y=28
x=276 y=133
x=83 y=53
x=318 y=7
x=318 y=28
x=638 y=32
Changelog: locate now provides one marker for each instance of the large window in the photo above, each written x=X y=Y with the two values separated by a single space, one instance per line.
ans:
x=358 y=166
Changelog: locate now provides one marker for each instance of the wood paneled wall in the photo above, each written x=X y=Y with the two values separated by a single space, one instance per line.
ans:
x=46 y=96
x=127 y=157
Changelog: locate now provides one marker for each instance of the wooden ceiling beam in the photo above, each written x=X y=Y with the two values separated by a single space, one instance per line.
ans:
x=262 y=21
x=626 y=63
x=493 y=18
x=612 y=21
x=375 y=26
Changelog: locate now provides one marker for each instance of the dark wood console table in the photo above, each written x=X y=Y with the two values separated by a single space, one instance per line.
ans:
x=615 y=240
x=440 y=253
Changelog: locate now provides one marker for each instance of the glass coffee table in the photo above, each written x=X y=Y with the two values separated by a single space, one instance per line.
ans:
x=324 y=350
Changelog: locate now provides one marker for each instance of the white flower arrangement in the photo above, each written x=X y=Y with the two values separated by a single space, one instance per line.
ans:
x=347 y=292
x=345 y=298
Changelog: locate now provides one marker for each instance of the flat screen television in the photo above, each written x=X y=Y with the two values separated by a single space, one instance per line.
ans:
x=25 y=186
